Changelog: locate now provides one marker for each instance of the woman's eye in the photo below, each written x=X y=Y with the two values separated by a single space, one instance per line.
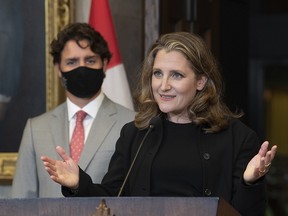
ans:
x=157 y=73
x=177 y=75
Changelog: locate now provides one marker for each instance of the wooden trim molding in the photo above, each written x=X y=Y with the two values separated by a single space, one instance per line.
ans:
x=7 y=167
x=58 y=13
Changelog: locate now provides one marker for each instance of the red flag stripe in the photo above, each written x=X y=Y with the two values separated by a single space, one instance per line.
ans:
x=101 y=19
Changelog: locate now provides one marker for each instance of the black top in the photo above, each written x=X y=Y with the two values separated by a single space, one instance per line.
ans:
x=177 y=168
x=224 y=157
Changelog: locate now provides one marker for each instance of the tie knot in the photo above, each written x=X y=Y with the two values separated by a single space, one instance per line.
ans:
x=80 y=115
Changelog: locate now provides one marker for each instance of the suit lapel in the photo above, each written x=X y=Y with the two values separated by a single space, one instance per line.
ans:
x=100 y=128
x=60 y=128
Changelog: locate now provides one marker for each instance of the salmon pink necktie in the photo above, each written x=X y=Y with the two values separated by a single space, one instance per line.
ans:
x=78 y=136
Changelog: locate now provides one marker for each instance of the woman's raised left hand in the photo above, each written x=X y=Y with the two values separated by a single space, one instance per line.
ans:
x=259 y=165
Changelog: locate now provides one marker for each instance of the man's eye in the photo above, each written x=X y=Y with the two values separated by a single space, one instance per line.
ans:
x=70 y=63
x=91 y=61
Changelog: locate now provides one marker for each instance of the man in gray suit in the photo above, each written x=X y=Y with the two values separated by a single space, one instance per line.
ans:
x=80 y=56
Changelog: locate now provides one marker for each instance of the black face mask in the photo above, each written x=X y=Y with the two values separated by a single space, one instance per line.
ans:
x=83 y=82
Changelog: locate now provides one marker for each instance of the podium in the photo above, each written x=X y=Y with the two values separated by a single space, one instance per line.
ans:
x=118 y=206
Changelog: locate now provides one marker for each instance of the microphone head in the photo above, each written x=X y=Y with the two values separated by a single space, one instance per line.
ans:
x=154 y=122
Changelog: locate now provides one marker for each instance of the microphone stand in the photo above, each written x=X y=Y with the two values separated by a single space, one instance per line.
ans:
x=151 y=126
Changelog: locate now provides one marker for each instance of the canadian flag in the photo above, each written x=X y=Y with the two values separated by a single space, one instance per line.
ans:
x=115 y=84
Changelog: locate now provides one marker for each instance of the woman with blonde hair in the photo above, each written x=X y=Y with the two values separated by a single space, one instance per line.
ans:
x=184 y=140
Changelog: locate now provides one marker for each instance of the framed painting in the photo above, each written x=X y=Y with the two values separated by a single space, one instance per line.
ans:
x=28 y=84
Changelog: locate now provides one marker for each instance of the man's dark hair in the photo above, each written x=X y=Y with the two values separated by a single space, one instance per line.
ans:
x=79 y=32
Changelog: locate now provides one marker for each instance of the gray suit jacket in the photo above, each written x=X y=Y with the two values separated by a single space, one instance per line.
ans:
x=43 y=133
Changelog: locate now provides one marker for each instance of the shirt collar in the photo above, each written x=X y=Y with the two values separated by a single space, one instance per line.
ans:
x=91 y=108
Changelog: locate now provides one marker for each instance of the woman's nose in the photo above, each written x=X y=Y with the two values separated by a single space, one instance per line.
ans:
x=165 y=85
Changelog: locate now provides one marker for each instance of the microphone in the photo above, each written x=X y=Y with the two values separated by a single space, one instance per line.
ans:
x=153 y=122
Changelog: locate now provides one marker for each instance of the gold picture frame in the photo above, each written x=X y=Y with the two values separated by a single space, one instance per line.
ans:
x=7 y=167
x=58 y=13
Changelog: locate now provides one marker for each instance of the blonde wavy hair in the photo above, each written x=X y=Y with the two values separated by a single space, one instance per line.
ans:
x=206 y=108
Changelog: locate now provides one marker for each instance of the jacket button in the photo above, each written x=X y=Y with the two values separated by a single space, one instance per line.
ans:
x=207 y=192
x=206 y=156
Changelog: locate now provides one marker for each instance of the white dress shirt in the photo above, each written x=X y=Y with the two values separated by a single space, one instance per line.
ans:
x=91 y=109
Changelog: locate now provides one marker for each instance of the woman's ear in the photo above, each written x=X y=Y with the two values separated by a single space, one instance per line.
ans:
x=201 y=83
